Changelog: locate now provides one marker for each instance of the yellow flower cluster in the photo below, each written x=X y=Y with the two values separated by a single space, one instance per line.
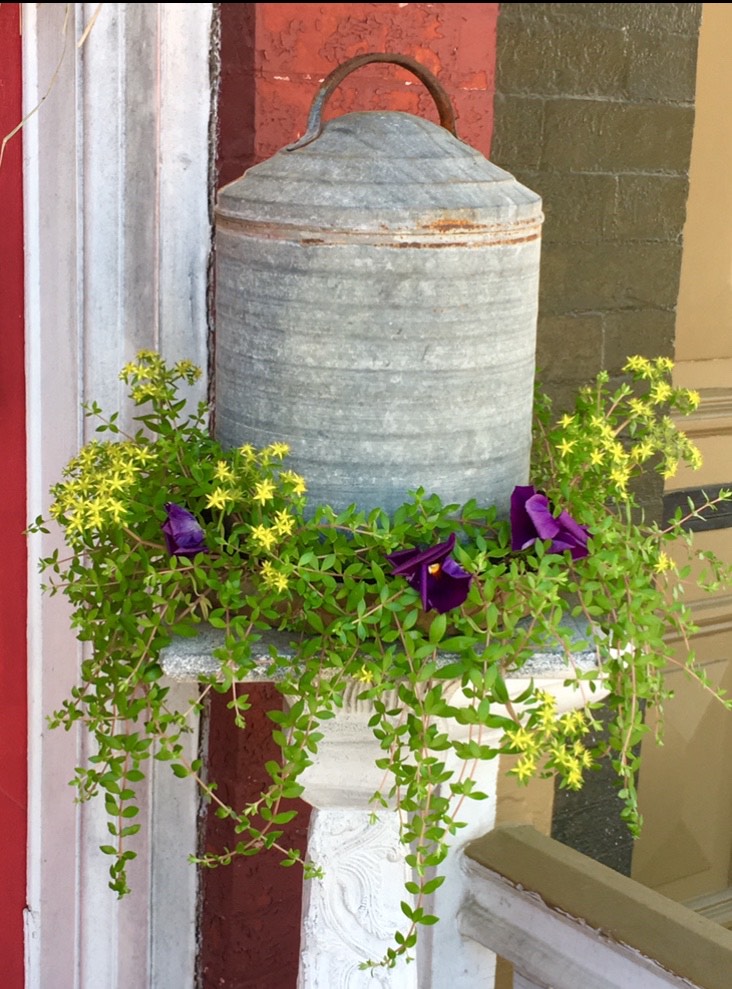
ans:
x=549 y=741
x=663 y=563
x=248 y=479
x=98 y=484
x=150 y=366
x=284 y=523
x=297 y=483
x=223 y=471
x=265 y=537
x=264 y=491
x=222 y=498
x=591 y=438
x=273 y=577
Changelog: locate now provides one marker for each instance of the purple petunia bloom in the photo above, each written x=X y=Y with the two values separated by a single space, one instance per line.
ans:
x=532 y=519
x=183 y=535
x=441 y=582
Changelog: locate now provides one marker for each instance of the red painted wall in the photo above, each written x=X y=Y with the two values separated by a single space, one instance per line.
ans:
x=273 y=57
x=13 y=571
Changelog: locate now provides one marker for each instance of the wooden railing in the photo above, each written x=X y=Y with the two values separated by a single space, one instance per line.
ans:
x=567 y=922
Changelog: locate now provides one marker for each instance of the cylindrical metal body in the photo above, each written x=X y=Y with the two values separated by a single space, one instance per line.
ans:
x=376 y=309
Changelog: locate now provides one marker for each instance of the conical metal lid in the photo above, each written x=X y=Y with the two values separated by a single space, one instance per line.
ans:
x=383 y=174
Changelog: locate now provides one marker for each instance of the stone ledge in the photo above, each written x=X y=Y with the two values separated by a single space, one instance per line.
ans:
x=189 y=659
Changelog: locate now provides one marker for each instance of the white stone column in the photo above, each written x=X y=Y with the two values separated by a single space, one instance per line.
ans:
x=351 y=914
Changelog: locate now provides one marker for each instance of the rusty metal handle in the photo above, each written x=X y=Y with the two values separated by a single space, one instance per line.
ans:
x=336 y=77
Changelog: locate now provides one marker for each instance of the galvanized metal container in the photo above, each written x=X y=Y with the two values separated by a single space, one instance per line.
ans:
x=376 y=302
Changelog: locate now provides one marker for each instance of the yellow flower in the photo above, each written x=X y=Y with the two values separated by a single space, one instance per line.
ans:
x=693 y=398
x=664 y=364
x=264 y=491
x=573 y=776
x=522 y=739
x=273 y=577
x=264 y=536
x=117 y=510
x=284 y=523
x=146 y=393
x=606 y=432
x=278 y=450
x=525 y=768
x=219 y=498
x=574 y=722
x=672 y=465
x=566 y=420
x=663 y=563
x=566 y=446
x=661 y=392
x=639 y=365
x=695 y=457
x=618 y=452
x=248 y=452
x=222 y=471
x=128 y=370
x=637 y=407
x=642 y=451
x=144 y=454
x=95 y=513
x=299 y=487
x=75 y=524
x=115 y=482
x=188 y=368
x=620 y=476
x=596 y=457
x=547 y=711
x=365 y=675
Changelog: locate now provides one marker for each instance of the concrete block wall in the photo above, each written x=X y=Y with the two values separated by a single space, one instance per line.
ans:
x=594 y=110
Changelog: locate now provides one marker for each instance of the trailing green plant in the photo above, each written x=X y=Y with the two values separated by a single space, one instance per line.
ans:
x=166 y=531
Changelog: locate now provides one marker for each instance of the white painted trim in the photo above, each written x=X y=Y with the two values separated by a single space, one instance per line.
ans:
x=117 y=240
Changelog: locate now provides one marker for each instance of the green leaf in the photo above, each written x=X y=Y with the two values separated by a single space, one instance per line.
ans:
x=437 y=629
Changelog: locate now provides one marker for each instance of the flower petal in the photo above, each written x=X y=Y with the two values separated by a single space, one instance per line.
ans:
x=538 y=510
x=523 y=532
x=183 y=534
x=572 y=536
x=448 y=588
x=408 y=560
x=441 y=583
x=532 y=519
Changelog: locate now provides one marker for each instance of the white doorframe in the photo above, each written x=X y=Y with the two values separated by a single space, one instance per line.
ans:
x=118 y=238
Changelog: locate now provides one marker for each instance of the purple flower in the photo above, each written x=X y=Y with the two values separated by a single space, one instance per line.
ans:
x=183 y=535
x=532 y=519
x=441 y=582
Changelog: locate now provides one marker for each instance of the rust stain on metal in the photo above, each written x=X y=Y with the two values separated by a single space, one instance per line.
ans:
x=447 y=224
x=475 y=235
